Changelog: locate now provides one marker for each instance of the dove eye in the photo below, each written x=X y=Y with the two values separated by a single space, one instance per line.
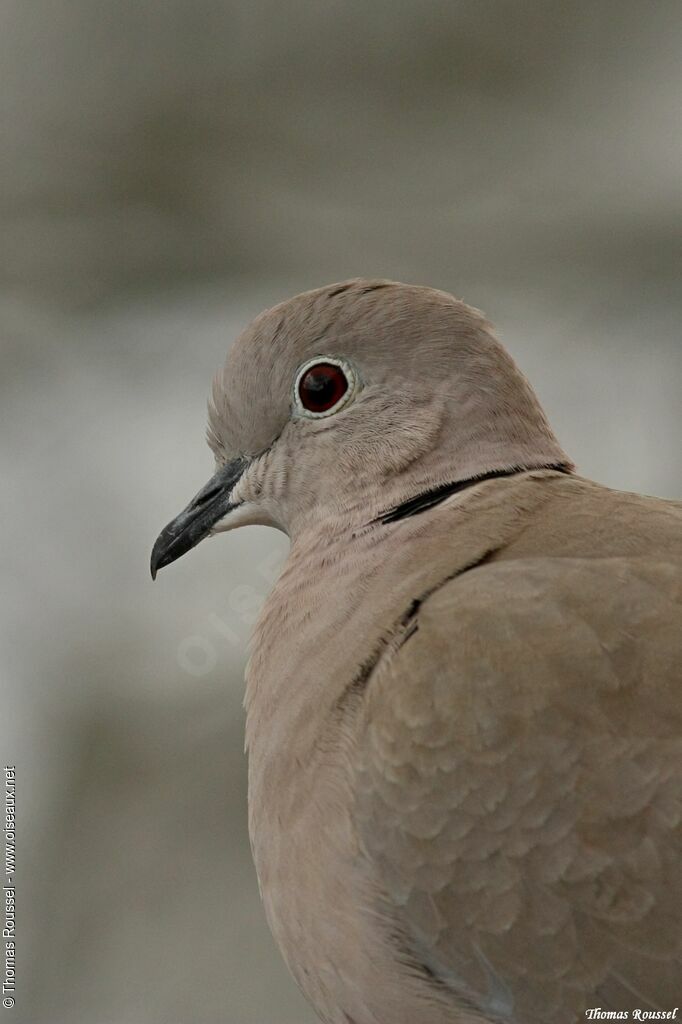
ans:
x=323 y=386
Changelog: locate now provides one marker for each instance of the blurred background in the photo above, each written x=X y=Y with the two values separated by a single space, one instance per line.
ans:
x=168 y=169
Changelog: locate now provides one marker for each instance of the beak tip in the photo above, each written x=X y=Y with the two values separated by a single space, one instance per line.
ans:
x=157 y=560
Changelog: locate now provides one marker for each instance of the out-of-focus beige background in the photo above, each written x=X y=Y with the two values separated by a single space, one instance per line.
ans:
x=167 y=169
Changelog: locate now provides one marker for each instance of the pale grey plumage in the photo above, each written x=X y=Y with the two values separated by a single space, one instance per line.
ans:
x=464 y=725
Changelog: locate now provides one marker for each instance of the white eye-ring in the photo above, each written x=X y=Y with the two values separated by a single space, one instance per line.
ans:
x=323 y=386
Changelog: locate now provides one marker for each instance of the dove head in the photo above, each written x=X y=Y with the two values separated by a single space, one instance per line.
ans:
x=343 y=404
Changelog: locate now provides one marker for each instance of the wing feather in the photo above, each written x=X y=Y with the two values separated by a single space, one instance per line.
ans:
x=520 y=786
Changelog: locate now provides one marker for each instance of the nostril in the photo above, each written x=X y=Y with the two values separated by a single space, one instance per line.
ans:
x=207 y=496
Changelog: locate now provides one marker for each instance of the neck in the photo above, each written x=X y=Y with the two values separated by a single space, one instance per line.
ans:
x=404 y=495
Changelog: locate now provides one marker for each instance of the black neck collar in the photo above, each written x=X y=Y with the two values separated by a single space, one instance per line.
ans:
x=427 y=499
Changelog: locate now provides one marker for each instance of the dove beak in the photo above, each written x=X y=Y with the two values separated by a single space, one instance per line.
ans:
x=205 y=510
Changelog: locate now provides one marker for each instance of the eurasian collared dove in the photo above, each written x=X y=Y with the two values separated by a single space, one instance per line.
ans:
x=464 y=704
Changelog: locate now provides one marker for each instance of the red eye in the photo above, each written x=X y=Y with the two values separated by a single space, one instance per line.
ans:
x=321 y=387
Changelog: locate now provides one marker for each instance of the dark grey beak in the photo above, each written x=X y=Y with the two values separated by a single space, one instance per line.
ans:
x=195 y=522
